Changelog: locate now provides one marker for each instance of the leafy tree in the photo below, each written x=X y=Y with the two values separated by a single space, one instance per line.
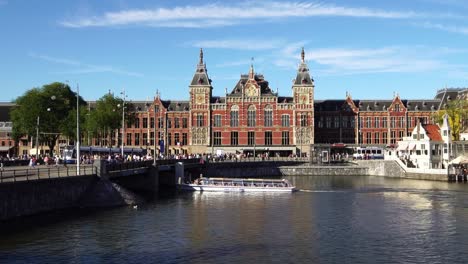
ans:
x=457 y=111
x=50 y=106
x=105 y=118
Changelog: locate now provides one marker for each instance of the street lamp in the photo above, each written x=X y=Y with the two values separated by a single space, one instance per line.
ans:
x=123 y=121
x=78 y=158
x=37 y=129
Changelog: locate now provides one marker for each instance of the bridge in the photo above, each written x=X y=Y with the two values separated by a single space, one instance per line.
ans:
x=25 y=190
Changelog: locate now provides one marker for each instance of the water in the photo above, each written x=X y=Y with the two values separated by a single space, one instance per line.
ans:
x=336 y=220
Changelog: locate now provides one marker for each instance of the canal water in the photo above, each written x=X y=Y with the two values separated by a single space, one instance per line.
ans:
x=341 y=219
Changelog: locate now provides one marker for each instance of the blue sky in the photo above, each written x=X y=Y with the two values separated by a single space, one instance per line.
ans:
x=368 y=48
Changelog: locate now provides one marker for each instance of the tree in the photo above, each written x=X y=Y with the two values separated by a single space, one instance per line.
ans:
x=53 y=105
x=457 y=111
x=106 y=117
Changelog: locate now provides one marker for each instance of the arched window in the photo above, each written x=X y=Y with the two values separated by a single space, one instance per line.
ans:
x=234 y=116
x=268 y=116
x=251 y=116
x=304 y=120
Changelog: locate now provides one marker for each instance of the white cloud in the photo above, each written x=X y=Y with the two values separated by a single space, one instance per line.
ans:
x=216 y=14
x=239 y=44
x=83 y=68
x=346 y=61
x=448 y=28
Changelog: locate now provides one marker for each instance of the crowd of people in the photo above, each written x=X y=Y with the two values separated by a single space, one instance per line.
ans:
x=87 y=158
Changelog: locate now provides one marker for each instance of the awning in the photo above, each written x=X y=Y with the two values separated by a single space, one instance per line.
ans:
x=402 y=145
x=5 y=148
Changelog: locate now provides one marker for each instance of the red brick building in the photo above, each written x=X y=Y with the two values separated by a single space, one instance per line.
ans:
x=251 y=117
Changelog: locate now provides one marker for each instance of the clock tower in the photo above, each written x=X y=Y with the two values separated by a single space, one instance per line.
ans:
x=303 y=96
x=200 y=96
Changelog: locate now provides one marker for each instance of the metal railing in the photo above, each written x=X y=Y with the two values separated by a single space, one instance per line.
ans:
x=39 y=173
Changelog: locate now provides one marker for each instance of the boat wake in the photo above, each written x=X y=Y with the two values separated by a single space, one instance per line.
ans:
x=318 y=191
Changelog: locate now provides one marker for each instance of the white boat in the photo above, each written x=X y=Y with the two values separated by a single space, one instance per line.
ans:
x=238 y=185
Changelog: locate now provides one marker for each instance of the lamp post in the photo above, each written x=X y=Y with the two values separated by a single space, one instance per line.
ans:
x=123 y=122
x=37 y=138
x=78 y=158
x=37 y=129
x=154 y=128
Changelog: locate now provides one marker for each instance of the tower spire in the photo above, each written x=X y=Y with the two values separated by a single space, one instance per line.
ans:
x=302 y=55
x=201 y=56
x=251 y=71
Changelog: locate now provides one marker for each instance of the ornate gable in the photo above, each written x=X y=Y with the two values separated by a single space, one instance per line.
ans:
x=397 y=105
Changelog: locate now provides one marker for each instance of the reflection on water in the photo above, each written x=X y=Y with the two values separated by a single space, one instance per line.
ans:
x=336 y=219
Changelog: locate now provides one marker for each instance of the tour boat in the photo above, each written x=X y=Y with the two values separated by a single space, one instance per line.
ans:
x=238 y=185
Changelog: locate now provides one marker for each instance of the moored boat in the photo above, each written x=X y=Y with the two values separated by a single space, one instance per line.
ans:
x=238 y=185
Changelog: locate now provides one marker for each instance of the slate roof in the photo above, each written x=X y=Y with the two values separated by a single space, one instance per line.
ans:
x=259 y=78
x=285 y=99
x=373 y=105
x=422 y=105
x=303 y=76
x=328 y=105
x=5 y=109
x=218 y=100
x=201 y=73
x=176 y=105
x=447 y=94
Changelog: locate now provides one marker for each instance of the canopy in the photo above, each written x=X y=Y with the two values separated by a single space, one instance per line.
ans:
x=459 y=160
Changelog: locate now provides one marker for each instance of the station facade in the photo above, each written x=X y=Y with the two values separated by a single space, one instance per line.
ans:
x=253 y=119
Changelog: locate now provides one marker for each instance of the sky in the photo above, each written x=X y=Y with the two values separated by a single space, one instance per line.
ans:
x=371 y=49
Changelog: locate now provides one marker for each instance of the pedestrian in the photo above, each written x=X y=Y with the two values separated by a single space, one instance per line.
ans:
x=32 y=162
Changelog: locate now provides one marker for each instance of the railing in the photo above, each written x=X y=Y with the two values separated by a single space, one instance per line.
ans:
x=128 y=165
x=38 y=173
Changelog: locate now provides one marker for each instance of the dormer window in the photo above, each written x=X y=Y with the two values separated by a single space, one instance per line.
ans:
x=200 y=80
x=397 y=108
x=304 y=80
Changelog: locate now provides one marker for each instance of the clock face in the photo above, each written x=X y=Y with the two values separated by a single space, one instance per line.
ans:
x=303 y=98
x=251 y=91
x=200 y=99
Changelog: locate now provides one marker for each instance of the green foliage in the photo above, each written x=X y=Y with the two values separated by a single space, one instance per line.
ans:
x=106 y=117
x=53 y=104
x=457 y=111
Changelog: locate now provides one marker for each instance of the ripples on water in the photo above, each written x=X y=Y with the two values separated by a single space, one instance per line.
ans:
x=336 y=220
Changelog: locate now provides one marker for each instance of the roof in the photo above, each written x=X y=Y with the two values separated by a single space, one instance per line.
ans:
x=433 y=132
x=303 y=76
x=373 y=105
x=422 y=105
x=5 y=109
x=201 y=74
x=259 y=79
x=176 y=105
x=447 y=94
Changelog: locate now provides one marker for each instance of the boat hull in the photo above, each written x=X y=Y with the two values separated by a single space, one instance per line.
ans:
x=211 y=188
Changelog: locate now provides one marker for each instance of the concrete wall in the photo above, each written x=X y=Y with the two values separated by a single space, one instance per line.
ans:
x=27 y=198
x=394 y=168
x=323 y=170
x=259 y=170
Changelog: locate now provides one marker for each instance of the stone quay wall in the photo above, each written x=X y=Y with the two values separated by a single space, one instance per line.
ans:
x=272 y=169
x=33 y=197
x=392 y=168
